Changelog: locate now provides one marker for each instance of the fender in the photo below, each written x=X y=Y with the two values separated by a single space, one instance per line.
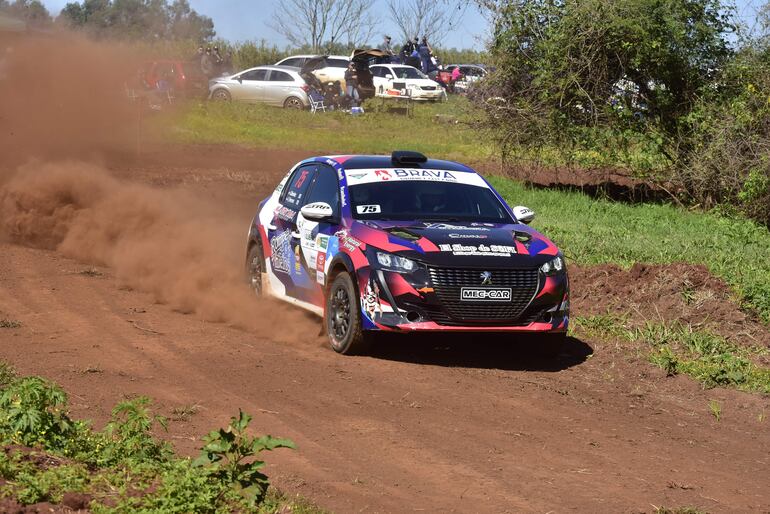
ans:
x=347 y=263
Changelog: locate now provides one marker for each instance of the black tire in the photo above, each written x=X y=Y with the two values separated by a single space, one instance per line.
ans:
x=221 y=95
x=550 y=345
x=255 y=266
x=293 y=103
x=343 y=317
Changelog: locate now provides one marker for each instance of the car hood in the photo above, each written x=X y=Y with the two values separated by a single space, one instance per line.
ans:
x=491 y=245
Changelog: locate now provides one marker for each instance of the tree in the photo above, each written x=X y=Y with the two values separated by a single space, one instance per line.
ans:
x=33 y=12
x=316 y=23
x=138 y=19
x=426 y=18
x=638 y=64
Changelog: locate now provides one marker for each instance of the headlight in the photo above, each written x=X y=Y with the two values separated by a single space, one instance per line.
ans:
x=397 y=263
x=554 y=266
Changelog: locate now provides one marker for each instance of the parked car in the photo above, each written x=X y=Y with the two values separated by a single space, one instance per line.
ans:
x=469 y=74
x=274 y=85
x=403 y=243
x=327 y=68
x=401 y=77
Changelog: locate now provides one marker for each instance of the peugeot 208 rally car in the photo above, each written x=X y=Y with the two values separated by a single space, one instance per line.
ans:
x=405 y=244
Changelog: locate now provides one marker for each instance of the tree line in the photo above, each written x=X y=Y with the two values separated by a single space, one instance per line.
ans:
x=678 y=91
x=152 y=20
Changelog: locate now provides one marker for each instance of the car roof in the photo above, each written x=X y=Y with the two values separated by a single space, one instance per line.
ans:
x=280 y=67
x=307 y=56
x=357 y=162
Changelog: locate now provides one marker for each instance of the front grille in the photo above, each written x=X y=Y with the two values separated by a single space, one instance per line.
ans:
x=428 y=88
x=448 y=282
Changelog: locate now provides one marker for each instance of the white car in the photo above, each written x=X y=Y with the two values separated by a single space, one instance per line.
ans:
x=331 y=70
x=400 y=77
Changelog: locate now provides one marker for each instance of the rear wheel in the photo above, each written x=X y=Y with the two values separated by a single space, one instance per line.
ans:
x=343 y=317
x=293 y=103
x=254 y=268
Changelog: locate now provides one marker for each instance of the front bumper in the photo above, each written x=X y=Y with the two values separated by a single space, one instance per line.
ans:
x=430 y=300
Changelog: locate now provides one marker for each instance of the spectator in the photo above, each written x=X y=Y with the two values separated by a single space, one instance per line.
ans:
x=207 y=63
x=424 y=52
x=351 y=84
x=388 y=49
x=198 y=55
x=218 y=61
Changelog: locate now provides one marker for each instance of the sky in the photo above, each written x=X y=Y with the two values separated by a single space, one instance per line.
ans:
x=241 y=20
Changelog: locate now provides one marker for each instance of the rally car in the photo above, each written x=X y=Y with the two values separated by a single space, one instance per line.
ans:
x=404 y=243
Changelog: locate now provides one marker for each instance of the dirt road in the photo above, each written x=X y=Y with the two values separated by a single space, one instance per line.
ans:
x=422 y=425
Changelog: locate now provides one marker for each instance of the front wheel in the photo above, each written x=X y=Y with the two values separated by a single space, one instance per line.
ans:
x=221 y=95
x=343 y=317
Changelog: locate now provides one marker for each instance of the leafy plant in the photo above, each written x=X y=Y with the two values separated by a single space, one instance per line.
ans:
x=128 y=435
x=9 y=323
x=7 y=374
x=225 y=456
x=33 y=411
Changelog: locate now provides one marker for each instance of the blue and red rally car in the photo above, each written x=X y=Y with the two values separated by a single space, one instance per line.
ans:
x=403 y=243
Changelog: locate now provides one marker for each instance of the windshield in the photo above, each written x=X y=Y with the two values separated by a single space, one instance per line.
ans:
x=426 y=200
x=408 y=72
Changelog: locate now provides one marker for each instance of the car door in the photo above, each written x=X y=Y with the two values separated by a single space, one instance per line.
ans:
x=378 y=77
x=287 y=275
x=249 y=86
x=333 y=71
x=280 y=86
x=314 y=235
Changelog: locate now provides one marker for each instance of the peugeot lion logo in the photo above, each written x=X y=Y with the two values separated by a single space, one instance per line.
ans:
x=486 y=278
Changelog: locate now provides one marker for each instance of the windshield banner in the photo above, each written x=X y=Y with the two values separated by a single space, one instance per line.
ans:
x=368 y=176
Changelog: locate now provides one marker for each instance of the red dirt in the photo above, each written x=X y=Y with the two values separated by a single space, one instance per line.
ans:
x=424 y=424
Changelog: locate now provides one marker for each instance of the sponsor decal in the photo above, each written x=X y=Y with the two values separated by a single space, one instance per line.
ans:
x=485 y=294
x=284 y=213
x=297 y=264
x=486 y=278
x=281 y=251
x=320 y=262
x=382 y=174
x=322 y=242
x=356 y=176
x=439 y=175
x=343 y=196
x=468 y=236
x=351 y=244
x=301 y=179
x=480 y=250
x=425 y=290
x=319 y=277
x=368 y=209
x=370 y=300
x=459 y=228
x=339 y=175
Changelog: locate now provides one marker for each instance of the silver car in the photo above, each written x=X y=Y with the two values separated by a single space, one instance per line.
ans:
x=274 y=85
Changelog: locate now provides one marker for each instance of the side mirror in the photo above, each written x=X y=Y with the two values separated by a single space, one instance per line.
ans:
x=524 y=214
x=389 y=76
x=317 y=211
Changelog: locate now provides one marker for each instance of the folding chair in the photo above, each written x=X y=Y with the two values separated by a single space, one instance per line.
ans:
x=316 y=101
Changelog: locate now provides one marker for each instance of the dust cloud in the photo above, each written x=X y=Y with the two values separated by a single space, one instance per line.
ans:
x=67 y=108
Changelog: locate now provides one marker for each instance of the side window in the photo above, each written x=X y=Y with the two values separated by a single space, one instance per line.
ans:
x=280 y=76
x=294 y=61
x=325 y=188
x=254 y=75
x=295 y=194
x=378 y=71
x=337 y=63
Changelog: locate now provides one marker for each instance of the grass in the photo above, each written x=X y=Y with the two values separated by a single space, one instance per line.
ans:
x=9 y=323
x=377 y=132
x=679 y=349
x=592 y=231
